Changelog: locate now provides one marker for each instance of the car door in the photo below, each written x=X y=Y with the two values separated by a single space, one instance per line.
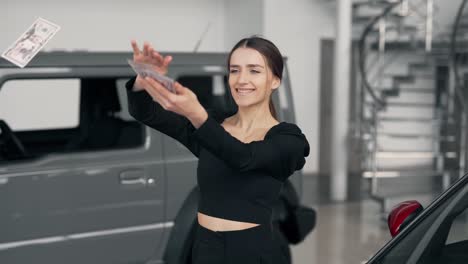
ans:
x=437 y=235
x=76 y=205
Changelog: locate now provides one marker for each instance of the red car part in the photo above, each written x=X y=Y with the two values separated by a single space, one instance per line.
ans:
x=402 y=214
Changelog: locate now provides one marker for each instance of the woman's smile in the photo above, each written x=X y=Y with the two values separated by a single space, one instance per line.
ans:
x=245 y=91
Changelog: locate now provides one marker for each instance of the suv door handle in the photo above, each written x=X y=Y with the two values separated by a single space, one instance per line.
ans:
x=131 y=177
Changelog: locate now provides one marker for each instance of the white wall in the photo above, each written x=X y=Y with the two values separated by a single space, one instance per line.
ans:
x=243 y=18
x=108 y=25
x=445 y=13
x=297 y=28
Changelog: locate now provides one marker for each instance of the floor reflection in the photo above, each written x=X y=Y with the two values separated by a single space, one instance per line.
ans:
x=345 y=233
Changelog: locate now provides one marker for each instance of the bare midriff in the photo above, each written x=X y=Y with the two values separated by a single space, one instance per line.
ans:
x=220 y=224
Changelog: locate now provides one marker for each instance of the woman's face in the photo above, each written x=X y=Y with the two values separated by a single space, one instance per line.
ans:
x=250 y=79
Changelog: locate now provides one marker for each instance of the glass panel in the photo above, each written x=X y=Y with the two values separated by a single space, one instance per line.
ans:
x=40 y=104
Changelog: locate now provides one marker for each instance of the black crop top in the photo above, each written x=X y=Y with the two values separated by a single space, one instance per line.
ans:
x=238 y=181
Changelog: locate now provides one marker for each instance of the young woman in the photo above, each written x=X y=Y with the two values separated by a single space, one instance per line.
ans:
x=243 y=159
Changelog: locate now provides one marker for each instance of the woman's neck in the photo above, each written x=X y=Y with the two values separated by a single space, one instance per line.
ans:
x=250 y=118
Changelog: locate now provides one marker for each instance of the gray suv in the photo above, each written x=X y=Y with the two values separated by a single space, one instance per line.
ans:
x=81 y=181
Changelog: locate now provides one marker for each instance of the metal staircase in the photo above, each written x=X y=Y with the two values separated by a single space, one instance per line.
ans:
x=411 y=127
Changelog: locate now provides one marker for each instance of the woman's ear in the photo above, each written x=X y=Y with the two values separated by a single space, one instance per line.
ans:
x=275 y=83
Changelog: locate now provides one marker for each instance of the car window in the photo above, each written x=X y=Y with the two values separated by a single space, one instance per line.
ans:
x=40 y=104
x=456 y=245
x=42 y=116
x=459 y=229
x=212 y=91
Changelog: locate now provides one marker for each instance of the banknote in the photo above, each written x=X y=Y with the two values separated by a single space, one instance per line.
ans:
x=23 y=50
x=147 y=70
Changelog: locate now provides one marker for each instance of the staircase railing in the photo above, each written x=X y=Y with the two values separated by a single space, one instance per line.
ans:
x=405 y=10
x=378 y=101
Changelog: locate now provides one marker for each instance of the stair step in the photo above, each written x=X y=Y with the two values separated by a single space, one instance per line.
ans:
x=406 y=111
x=389 y=93
x=406 y=154
x=421 y=67
x=362 y=10
x=449 y=130
x=451 y=162
x=376 y=3
x=450 y=139
x=406 y=96
x=405 y=143
x=405 y=82
x=426 y=82
x=395 y=29
x=425 y=182
x=449 y=146
x=417 y=90
x=402 y=78
x=364 y=19
x=411 y=104
x=394 y=61
x=421 y=74
x=405 y=160
x=422 y=71
x=401 y=173
x=419 y=46
x=385 y=88
x=394 y=103
x=406 y=135
x=397 y=126
x=407 y=119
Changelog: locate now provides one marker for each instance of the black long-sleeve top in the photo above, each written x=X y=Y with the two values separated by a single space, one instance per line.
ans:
x=238 y=181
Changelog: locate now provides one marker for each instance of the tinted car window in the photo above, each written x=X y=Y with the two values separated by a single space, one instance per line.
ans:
x=212 y=91
x=459 y=223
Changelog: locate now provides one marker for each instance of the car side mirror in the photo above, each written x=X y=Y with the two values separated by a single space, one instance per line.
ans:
x=402 y=214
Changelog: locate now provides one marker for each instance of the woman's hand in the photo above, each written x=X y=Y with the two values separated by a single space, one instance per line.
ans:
x=184 y=102
x=151 y=57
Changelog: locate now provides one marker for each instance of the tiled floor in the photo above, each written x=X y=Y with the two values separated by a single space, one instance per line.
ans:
x=345 y=233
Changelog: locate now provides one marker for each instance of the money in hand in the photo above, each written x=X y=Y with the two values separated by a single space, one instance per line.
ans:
x=145 y=70
x=31 y=42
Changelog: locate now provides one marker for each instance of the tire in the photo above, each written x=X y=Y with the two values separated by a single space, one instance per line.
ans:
x=179 y=245
x=186 y=256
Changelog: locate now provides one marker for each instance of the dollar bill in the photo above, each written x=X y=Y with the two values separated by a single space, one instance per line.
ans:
x=144 y=70
x=23 y=50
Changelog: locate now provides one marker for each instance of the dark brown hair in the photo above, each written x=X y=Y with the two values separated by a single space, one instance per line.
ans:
x=270 y=52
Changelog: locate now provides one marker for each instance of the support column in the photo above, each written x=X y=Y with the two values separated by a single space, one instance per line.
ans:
x=340 y=102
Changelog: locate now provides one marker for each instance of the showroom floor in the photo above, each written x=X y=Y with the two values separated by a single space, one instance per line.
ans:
x=345 y=233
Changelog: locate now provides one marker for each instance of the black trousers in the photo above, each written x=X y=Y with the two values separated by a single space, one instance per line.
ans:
x=249 y=246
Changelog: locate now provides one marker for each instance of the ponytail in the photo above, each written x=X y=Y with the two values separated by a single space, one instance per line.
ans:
x=272 y=109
